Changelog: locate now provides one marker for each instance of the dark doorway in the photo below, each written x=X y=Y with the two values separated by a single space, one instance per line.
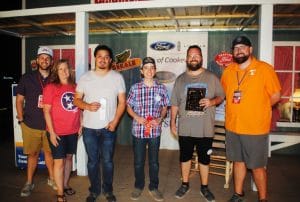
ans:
x=9 y=74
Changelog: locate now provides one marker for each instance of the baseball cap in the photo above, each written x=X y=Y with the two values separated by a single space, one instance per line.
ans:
x=241 y=40
x=45 y=50
x=147 y=60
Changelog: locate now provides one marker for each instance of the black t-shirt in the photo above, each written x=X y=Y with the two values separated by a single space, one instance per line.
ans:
x=31 y=87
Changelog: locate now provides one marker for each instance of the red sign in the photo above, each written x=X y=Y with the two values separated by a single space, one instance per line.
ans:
x=223 y=59
x=128 y=64
x=113 y=1
x=124 y=62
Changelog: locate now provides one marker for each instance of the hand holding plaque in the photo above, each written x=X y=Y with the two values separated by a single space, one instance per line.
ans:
x=194 y=95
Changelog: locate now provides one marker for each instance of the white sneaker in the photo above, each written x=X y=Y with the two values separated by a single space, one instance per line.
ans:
x=52 y=184
x=26 y=190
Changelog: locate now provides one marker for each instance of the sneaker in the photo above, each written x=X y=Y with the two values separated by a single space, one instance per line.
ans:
x=26 y=190
x=110 y=197
x=91 y=198
x=182 y=191
x=237 y=198
x=206 y=193
x=135 y=195
x=52 y=183
x=156 y=194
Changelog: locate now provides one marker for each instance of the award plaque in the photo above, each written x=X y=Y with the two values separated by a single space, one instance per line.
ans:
x=194 y=95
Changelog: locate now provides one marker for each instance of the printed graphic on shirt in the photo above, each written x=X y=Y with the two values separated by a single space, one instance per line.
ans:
x=67 y=102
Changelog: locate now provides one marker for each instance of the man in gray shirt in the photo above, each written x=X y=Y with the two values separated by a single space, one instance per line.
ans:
x=195 y=94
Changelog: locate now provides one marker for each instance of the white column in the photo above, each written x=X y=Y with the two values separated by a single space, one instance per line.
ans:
x=81 y=43
x=265 y=37
x=81 y=64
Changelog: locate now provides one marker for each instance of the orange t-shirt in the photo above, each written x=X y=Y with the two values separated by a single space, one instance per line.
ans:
x=252 y=115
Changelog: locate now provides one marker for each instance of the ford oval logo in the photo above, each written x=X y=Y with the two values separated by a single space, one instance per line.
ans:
x=162 y=45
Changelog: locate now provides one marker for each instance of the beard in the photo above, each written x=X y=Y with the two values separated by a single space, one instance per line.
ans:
x=241 y=60
x=43 y=67
x=103 y=66
x=194 y=66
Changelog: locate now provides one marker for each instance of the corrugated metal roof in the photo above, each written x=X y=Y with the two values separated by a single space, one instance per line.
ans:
x=216 y=17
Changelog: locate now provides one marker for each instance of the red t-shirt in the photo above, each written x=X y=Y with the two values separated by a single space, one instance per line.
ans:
x=65 y=115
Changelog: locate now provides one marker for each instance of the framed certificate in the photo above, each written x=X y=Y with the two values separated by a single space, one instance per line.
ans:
x=194 y=95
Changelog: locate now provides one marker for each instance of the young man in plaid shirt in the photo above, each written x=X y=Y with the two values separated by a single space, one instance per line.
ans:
x=147 y=104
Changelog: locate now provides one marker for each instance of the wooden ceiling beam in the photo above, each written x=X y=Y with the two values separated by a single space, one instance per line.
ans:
x=219 y=16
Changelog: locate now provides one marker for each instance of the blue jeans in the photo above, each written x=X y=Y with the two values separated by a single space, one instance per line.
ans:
x=139 y=150
x=100 y=145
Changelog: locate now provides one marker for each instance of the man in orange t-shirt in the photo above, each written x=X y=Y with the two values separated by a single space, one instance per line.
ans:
x=251 y=87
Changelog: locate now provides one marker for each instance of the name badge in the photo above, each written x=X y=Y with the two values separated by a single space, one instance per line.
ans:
x=40 y=101
x=237 y=95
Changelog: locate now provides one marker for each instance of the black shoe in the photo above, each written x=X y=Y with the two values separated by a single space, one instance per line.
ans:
x=91 y=198
x=237 y=197
x=182 y=191
x=110 y=197
x=206 y=193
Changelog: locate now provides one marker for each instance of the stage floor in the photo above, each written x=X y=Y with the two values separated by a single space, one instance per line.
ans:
x=283 y=182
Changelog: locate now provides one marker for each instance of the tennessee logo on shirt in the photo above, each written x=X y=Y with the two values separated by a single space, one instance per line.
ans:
x=67 y=101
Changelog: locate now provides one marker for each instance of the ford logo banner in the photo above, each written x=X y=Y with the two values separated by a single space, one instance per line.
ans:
x=162 y=45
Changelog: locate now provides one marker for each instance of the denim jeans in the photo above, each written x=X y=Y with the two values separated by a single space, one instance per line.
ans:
x=100 y=145
x=139 y=150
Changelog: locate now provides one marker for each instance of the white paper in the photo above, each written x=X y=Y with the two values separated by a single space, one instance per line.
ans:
x=102 y=109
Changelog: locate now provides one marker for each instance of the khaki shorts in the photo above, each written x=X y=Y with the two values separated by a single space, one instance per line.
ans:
x=34 y=140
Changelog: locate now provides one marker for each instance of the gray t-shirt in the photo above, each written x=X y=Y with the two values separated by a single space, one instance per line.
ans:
x=103 y=89
x=192 y=123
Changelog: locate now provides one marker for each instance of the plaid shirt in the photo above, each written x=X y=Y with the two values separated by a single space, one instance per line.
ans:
x=147 y=101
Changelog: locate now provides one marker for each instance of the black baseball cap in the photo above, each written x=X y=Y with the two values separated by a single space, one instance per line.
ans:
x=241 y=40
x=147 y=60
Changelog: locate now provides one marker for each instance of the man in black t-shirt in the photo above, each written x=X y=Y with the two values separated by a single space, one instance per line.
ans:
x=29 y=103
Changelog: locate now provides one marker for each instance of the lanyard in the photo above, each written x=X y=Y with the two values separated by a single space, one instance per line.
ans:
x=41 y=82
x=242 y=79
